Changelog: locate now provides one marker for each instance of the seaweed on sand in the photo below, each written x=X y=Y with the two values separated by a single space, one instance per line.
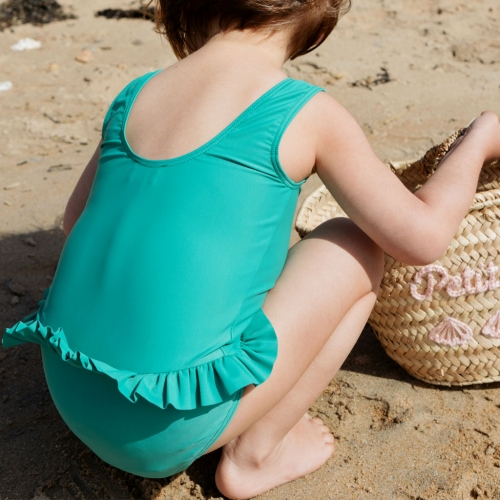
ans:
x=15 y=12
x=370 y=81
x=143 y=12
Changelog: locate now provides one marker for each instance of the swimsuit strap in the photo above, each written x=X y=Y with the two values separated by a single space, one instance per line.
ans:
x=120 y=102
x=252 y=138
x=257 y=137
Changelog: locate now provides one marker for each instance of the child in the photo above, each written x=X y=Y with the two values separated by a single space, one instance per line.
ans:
x=178 y=321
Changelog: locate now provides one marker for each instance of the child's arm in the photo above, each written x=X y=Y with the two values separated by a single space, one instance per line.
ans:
x=414 y=228
x=78 y=198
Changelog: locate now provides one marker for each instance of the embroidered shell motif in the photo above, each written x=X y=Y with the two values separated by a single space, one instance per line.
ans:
x=492 y=327
x=451 y=332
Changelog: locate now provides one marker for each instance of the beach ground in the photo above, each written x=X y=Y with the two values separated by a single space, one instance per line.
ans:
x=396 y=438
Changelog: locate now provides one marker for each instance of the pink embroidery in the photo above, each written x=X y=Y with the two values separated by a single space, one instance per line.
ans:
x=431 y=281
x=470 y=281
x=492 y=270
x=454 y=287
x=451 y=332
x=467 y=275
x=478 y=281
x=492 y=327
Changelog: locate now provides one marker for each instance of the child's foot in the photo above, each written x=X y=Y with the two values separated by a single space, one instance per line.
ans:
x=304 y=449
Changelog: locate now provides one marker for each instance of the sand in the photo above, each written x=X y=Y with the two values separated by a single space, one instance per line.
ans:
x=397 y=438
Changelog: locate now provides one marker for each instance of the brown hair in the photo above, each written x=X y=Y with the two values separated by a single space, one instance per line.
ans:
x=187 y=23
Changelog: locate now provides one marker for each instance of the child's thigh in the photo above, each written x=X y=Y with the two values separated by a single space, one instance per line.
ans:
x=324 y=275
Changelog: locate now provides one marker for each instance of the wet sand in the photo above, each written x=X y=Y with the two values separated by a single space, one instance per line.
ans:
x=396 y=437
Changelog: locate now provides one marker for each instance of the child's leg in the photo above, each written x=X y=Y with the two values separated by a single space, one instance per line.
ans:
x=328 y=284
x=247 y=468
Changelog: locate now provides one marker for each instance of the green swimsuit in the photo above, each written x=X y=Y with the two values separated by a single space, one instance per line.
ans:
x=153 y=325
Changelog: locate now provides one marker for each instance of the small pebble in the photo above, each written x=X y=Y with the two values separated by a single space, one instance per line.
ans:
x=30 y=241
x=490 y=450
x=12 y=186
x=14 y=300
x=8 y=203
x=17 y=288
x=5 y=86
x=26 y=44
x=54 y=67
x=84 y=56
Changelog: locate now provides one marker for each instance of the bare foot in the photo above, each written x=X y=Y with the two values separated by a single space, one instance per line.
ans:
x=304 y=449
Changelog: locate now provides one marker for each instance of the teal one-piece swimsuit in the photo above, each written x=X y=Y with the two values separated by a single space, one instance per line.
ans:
x=153 y=325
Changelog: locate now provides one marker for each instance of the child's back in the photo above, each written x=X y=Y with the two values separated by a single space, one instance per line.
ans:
x=171 y=260
x=192 y=101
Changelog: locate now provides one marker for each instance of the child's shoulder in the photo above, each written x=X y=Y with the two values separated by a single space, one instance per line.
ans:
x=323 y=113
x=325 y=105
x=128 y=87
x=122 y=98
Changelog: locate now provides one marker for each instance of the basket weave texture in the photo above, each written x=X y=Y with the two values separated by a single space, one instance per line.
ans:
x=440 y=322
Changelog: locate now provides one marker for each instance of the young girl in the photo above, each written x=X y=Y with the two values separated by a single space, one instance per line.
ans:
x=178 y=321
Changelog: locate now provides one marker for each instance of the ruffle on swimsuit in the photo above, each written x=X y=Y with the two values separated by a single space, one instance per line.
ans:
x=202 y=385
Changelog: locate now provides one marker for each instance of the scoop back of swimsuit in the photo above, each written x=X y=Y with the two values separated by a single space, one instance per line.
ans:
x=161 y=282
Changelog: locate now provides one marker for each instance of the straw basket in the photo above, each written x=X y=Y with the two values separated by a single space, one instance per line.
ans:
x=440 y=322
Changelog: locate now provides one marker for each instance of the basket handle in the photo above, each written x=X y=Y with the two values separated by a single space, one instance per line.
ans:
x=431 y=160
x=433 y=157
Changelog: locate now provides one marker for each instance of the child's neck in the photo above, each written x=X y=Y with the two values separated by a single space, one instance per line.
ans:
x=246 y=45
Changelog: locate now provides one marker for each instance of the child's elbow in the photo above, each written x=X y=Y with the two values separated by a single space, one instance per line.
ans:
x=424 y=252
x=422 y=259
x=419 y=244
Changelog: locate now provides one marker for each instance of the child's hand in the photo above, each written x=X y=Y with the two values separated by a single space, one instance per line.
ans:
x=486 y=131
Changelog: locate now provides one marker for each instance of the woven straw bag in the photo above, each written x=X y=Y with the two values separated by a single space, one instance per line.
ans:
x=440 y=322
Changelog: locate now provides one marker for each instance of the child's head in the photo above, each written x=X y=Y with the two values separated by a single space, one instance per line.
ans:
x=189 y=24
